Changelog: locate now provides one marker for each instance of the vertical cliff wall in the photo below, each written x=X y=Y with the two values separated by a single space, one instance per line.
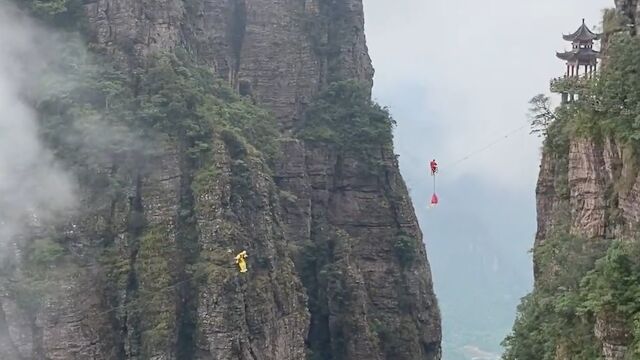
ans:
x=585 y=254
x=280 y=52
x=337 y=267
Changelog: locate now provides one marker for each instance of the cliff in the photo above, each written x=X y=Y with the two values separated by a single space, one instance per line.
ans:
x=585 y=303
x=629 y=11
x=179 y=167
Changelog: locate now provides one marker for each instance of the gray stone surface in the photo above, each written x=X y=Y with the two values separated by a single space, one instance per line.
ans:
x=130 y=305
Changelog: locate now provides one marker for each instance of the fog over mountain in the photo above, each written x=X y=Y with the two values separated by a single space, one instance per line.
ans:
x=458 y=77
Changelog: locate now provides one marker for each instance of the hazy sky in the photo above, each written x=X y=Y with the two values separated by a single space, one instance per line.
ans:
x=458 y=75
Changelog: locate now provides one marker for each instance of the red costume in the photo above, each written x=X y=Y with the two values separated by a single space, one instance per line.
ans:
x=434 y=166
x=434 y=200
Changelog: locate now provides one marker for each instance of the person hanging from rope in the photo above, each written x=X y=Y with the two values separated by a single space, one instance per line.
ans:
x=434 y=170
x=242 y=262
x=434 y=167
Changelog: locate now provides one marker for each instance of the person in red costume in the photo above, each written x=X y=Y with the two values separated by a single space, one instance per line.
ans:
x=434 y=170
x=434 y=167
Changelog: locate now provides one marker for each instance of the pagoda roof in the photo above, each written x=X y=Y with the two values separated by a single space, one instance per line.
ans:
x=582 y=34
x=581 y=55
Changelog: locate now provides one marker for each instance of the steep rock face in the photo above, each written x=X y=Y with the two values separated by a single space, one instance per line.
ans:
x=135 y=28
x=356 y=219
x=630 y=9
x=590 y=175
x=137 y=302
x=265 y=317
x=548 y=194
x=587 y=188
x=279 y=52
x=74 y=324
x=612 y=331
x=596 y=211
x=156 y=259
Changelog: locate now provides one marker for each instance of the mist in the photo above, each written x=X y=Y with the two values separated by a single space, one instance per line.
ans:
x=468 y=69
x=34 y=188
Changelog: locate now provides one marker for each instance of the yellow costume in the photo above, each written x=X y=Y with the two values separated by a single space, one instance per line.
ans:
x=242 y=263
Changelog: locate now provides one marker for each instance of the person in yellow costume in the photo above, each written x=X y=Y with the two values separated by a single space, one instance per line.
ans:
x=242 y=263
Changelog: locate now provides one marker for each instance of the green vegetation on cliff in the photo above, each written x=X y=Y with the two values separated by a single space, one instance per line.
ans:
x=582 y=280
x=551 y=318
x=109 y=126
x=345 y=117
x=174 y=173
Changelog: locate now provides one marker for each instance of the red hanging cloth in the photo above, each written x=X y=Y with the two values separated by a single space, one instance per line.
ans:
x=434 y=200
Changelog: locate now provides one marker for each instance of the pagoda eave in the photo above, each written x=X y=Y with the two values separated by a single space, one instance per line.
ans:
x=583 y=55
x=582 y=37
x=583 y=34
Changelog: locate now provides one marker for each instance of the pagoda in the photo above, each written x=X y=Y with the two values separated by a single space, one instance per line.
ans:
x=581 y=56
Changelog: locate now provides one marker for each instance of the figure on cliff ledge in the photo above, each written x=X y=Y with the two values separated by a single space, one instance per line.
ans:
x=241 y=261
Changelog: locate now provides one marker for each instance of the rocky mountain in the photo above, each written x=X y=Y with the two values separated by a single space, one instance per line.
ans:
x=197 y=129
x=586 y=303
